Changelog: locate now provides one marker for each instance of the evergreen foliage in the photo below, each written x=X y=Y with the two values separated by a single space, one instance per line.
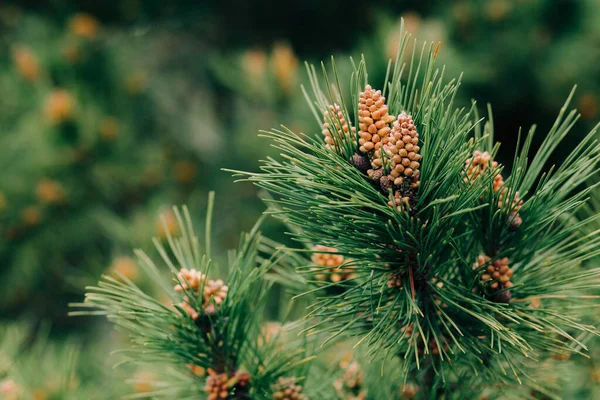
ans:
x=452 y=320
x=210 y=342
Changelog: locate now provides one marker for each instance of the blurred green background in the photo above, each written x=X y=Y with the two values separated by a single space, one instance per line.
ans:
x=110 y=112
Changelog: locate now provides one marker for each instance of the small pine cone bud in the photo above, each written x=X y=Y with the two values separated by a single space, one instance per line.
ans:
x=189 y=279
x=515 y=222
x=386 y=184
x=196 y=369
x=373 y=120
x=515 y=219
x=217 y=385
x=402 y=149
x=400 y=202
x=26 y=62
x=214 y=295
x=498 y=183
x=84 y=25
x=407 y=330
x=284 y=65
x=333 y=262
x=243 y=378
x=189 y=310
x=50 y=192
x=167 y=225
x=338 y=132
x=125 y=266
x=395 y=281
x=361 y=162
x=59 y=106
x=435 y=349
x=478 y=165
x=287 y=389
x=353 y=376
x=409 y=392
x=496 y=275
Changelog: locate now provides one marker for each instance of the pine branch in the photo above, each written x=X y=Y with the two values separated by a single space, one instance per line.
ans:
x=205 y=324
x=446 y=258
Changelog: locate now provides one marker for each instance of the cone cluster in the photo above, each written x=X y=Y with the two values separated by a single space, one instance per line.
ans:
x=399 y=201
x=349 y=386
x=340 y=129
x=497 y=274
x=125 y=266
x=27 y=63
x=373 y=120
x=59 y=106
x=477 y=166
x=214 y=295
x=85 y=26
x=167 y=225
x=50 y=191
x=401 y=148
x=217 y=385
x=213 y=291
x=395 y=149
x=287 y=389
x=395 y=281
x=514 y=218
x=409 y=391
x=334 y=272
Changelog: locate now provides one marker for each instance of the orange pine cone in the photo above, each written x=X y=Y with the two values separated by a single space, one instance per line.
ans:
x=340 y=129
x=373 y=120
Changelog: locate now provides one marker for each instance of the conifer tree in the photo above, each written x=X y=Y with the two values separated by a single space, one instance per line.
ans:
x=425 y=268
x=463 y=269
x=203 y=336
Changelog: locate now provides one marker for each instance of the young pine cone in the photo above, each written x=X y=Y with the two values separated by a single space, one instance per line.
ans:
x=217 y=385
x=214 y=294
x=50 y=191
x=340 y=131
x=350 y=384
x=189 y=309
x=287 y=389
x=353 y=376
x=373 y=120
x=59 y=106
x=514 y=218
x=27 y=63
x=403 y=152
x=478 y=165
x=395 y=281
x=333 y=273
x=497 y=274
x=409 y=392
x=191 y=277
x=400 y=202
